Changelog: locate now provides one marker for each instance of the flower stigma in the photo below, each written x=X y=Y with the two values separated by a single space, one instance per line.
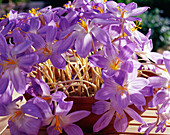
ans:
x=16 y=114
x=123 y=89
x=57 y=126
x=83 y=24
x=115 y=65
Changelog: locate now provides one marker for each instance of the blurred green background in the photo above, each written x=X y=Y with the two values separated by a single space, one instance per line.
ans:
x=157 y=17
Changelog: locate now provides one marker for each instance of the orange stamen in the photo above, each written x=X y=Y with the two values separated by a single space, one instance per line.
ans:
x=16 y=114
x=116 y=64
x=83 y=24
x=57 y=126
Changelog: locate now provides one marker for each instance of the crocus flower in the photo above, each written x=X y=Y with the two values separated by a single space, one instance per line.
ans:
x=108 y=108
x=11 y=64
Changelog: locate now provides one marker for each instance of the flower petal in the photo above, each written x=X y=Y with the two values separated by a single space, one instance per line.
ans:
x=120 y=123
x=103 y=121
x=138 y=11
x=100 y=107
x=57 y=96
x=137 y=98
x=73 y=129
x=58 y=61
x=4 y=83
x=3 y=123
x=78 y=115
x=166 y=57
x=83 y=44
x=134 y=115
x=158 y=81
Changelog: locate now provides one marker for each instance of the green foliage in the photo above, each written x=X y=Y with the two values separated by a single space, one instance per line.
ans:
x=159 y=26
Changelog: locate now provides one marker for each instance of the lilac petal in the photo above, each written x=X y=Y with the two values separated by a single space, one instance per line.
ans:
x=159 y=97
x=98 y=61
x=42 y=57
x=4 y=83
x=165 y=106
x=31 y=109
x=137 y=98
x=110 y=52
x=18 y=80
x=120 y=124
x=45 y=88
x=3 y=111
x=34 y=24
x=126 y=52
x=83 y=44
x=100 y=35
x=38 y=41
x=103 y=21
x=145 y=127
x=78 y=115
x=134 y=19
x=28 y=59
x=6 y=97
x=158 y=81
x=147 y=90
x=119 y=77
x=20 y=48
x=127 y=66
x=130 y=6
x=104 y=93
x=24 y=27
x=13 y=128
x=51 y=32
x=166 y=57
x=123 y=100
x=103 y=121
x=3 y=44
x=138 y=11
x=58 y=61
x=57 y=96
x=63 y=108
x=8 y=27
x=18 y=38
x=134 y=115
x=100 y=107
x=160 y=126
x=112 y=6
x=138 y=84
x=73 y=129
x=28 y=125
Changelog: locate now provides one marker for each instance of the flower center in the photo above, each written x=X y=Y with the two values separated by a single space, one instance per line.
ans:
x=119 y=116
x=83 y=24
x=16 y=114
x=116 y=64
x=98 y=8
x=121 y=11
x=123 y=89
x=46 y=50
x=57 y=126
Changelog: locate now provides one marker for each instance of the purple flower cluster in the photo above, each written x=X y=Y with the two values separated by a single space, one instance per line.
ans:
x=99 y=34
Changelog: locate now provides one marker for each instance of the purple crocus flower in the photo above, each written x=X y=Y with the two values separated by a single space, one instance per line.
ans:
x=108 y=108
x=122 y=11
x=12 y=62
x=47 y=49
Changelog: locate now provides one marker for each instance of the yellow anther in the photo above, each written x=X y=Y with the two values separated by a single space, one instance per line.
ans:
x=137 y=26
x=116 y=64
x=119 y=116
x=121 y=11
x=57 y=126
x=83 y=24
x=5 y=16
x=104 y=0
x=68 y=5
x=123 y=89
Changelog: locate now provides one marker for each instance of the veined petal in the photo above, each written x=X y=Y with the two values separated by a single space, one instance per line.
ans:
x=120 y=123
x=38 y=41
x=131 y=6
x=57 y=96
x=127 y=66
x=100 y=107
x=51 y=131
x=31 y=109
x=78 y=115
x=4 y=80
x=58 y=61
x=34 y=24
x=18 y=38
x=137 y=98
x=103 y=121
x=63 y=108
x=100 y=35
x=138 y=84
x=3 y=44
x=138 y=11
x=123 y=100
x=165 y=105
x=166 y=57
x=83 y=44
x=134 y=115
x=18 y=80
x=98 y=61
x=28 y=59
x=158 y=81
x=73 y=129
x=147 y=90
x=104 y=93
